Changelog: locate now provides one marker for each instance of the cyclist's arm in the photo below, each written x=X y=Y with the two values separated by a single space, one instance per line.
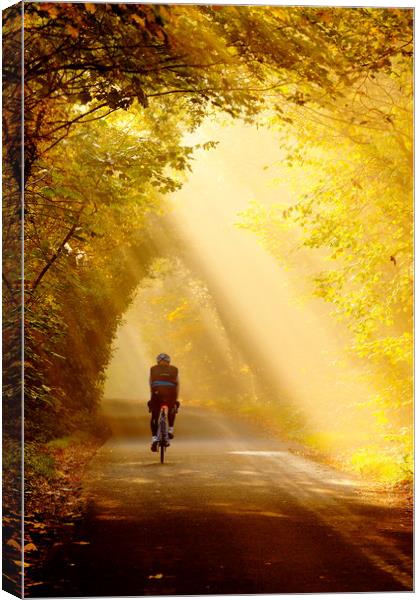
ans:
x=149 y=403
x=177 y=388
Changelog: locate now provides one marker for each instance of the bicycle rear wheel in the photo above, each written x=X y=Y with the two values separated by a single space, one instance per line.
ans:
x=162 y=452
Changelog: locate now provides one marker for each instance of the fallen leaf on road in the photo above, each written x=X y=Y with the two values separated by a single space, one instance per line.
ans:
x=14 y=544
x=82 y=543
x=30 y=547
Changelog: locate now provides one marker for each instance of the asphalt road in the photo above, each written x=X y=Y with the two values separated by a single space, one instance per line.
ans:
x=231 y=512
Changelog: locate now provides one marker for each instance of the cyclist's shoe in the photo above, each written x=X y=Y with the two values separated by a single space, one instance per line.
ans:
x=154 y=447
x=171 y=433
x=167 y=443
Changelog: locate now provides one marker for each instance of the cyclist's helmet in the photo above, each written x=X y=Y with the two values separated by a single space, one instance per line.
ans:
x=163 y=356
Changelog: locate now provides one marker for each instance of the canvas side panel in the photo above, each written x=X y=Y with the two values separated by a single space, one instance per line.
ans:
x=12 y=299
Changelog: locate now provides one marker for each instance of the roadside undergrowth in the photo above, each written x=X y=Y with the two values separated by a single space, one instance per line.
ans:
x=53 y=502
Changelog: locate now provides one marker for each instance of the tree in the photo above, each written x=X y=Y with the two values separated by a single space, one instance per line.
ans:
x=353 y=205
x=85 y=61
x=86 y=240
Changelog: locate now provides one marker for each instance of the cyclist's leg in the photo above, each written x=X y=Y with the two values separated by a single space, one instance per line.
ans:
x=154 y=425
x=171 y=415
x=173 y=406
x=154 y=422
x=155 y=403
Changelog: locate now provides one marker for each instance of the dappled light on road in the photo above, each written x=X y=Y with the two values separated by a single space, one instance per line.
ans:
x=259 y=453
x=224 y=488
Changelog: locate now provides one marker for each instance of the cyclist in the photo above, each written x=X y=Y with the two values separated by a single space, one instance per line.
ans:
x=164 y=386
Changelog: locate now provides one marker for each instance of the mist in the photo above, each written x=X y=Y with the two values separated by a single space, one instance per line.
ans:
x=281 y=345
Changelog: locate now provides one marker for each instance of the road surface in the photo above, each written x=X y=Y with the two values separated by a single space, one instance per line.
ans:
x=231 y=512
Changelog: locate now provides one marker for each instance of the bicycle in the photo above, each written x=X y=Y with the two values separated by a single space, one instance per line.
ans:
x=162 y=432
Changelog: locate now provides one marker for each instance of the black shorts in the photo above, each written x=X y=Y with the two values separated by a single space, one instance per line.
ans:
x=163 y=395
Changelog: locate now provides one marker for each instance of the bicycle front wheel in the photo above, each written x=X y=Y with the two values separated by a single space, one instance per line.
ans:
x=162 y=453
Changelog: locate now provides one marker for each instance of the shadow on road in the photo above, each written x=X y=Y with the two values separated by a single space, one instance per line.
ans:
x=229 y=513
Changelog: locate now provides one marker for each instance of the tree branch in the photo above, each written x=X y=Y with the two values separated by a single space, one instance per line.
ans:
x=9 y=288
x=57 y=253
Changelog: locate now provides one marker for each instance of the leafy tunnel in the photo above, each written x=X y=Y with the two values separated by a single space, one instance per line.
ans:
x=117 y=102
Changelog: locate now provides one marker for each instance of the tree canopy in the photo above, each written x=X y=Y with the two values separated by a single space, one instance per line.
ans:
x=351 y=168
x=110 y=91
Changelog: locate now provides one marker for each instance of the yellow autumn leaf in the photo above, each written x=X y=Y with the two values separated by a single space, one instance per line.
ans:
x=72 y=31
x=51 y=10
x=91 y=8
x=19 y=563
x=139 y=20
